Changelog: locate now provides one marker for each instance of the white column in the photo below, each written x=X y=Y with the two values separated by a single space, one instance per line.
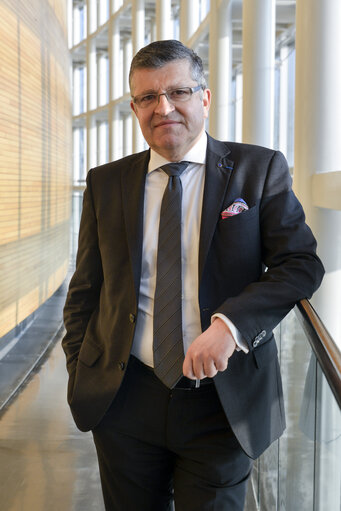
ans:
x=91 y=61
x=220 y=70
x=113 y=51
x=258 y=71
x=152 y=28
x=70 y=23
x=102 y=143
x=102 y=11
x=91 y=16
x=91 y=103
x=203 y=9
x=127 y=139
x=283 y=100
x=115 y=5
x=91 y=130
x=75 y=24
x=76 y=91
x=82 y=153
x=115 y=136
x=103 y=77
x=138 y=23
x=317 y=138
x=189 y=18
x=76 y=154
x=111 y=133
x=238 y=121
x=318 y=155
x=119 y=130
x=114 y=59
x=127 y=56
x=164 y=22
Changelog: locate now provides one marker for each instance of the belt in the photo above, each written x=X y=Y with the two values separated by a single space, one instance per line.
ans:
x=187 y=384
x=183 y=384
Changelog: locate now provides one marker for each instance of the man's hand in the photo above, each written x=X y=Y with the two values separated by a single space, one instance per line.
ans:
x=209 y=353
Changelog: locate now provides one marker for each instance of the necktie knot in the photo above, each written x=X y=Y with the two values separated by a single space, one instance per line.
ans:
x=175 y=168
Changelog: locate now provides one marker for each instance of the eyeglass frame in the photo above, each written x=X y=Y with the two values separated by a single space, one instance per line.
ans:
x=157 y=96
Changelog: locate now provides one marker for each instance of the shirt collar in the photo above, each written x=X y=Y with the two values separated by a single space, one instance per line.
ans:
x=197 y=154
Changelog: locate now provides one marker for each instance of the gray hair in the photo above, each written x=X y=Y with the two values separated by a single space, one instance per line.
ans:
x=160 y=53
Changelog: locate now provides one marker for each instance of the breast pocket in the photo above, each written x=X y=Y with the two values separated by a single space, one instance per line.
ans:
x=237 y=244
x=238 y=237
x=241 y=221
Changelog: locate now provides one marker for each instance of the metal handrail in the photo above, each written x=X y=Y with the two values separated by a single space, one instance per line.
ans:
x=326 y=351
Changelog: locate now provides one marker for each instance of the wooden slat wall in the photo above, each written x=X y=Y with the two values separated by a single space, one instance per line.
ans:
x=35 y=155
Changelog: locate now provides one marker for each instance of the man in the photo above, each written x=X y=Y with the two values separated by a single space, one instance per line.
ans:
x=180 y=416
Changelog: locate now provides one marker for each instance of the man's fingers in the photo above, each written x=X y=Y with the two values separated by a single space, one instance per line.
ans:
x=187 y=368
x=198 y=368
x=210 y=368
x=209 y=352
x=201 y=367
x=212 y=365
x=221 y=363
x=193 y=367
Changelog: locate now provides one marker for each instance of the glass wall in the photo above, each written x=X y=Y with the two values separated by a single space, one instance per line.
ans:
x=301 y=471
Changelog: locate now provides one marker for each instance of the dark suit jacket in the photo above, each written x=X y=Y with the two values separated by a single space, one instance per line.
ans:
x=253 y=268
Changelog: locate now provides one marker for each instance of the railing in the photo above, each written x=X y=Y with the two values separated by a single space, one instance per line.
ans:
x=302 y=470
x=324 y=347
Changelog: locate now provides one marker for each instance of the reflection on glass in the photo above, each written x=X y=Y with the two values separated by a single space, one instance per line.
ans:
x=302 y=471
x=328 y=448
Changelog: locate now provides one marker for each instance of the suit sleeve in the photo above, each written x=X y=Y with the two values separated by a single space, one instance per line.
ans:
x=292 y=270
x=84 y=290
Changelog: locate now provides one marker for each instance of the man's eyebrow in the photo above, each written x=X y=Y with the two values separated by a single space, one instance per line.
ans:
x=148 y=91
x=153 y=91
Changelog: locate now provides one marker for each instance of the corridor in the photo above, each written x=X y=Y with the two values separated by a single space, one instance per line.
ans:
x=46 y=464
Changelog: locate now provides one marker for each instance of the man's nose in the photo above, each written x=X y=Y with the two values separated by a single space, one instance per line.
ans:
x=163 y=106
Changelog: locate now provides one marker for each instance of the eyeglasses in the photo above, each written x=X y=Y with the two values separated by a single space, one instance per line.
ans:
x=174 y=96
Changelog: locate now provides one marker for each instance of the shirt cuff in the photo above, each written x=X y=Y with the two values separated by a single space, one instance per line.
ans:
x=237 y=336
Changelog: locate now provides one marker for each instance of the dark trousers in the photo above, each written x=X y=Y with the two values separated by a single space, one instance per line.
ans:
x=155 y=445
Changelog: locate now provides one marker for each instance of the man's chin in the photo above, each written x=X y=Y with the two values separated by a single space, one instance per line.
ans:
x=169 y=141
x=169 y=148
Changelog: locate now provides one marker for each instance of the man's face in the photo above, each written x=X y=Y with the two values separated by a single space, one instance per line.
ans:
x=171 y=130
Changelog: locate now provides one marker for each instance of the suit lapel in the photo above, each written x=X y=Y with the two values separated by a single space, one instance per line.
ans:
x=218 y=172
x=133 y=184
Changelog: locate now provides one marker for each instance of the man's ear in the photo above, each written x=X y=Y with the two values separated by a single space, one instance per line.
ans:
x=133 y=107
x=206 y=101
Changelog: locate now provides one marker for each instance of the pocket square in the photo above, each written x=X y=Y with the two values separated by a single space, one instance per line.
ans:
x=238 y=206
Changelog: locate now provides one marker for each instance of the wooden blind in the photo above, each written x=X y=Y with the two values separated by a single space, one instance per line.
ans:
x=35 y=155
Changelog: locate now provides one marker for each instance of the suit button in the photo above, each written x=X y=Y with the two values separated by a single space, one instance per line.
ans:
x=121 y=365
x=132 y=318
x=255 y=343
x=263 y=334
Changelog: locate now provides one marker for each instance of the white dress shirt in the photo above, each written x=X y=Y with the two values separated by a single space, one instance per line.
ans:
x=192 y=180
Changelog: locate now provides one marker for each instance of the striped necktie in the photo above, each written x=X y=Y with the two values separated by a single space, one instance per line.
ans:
x=168 y=339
